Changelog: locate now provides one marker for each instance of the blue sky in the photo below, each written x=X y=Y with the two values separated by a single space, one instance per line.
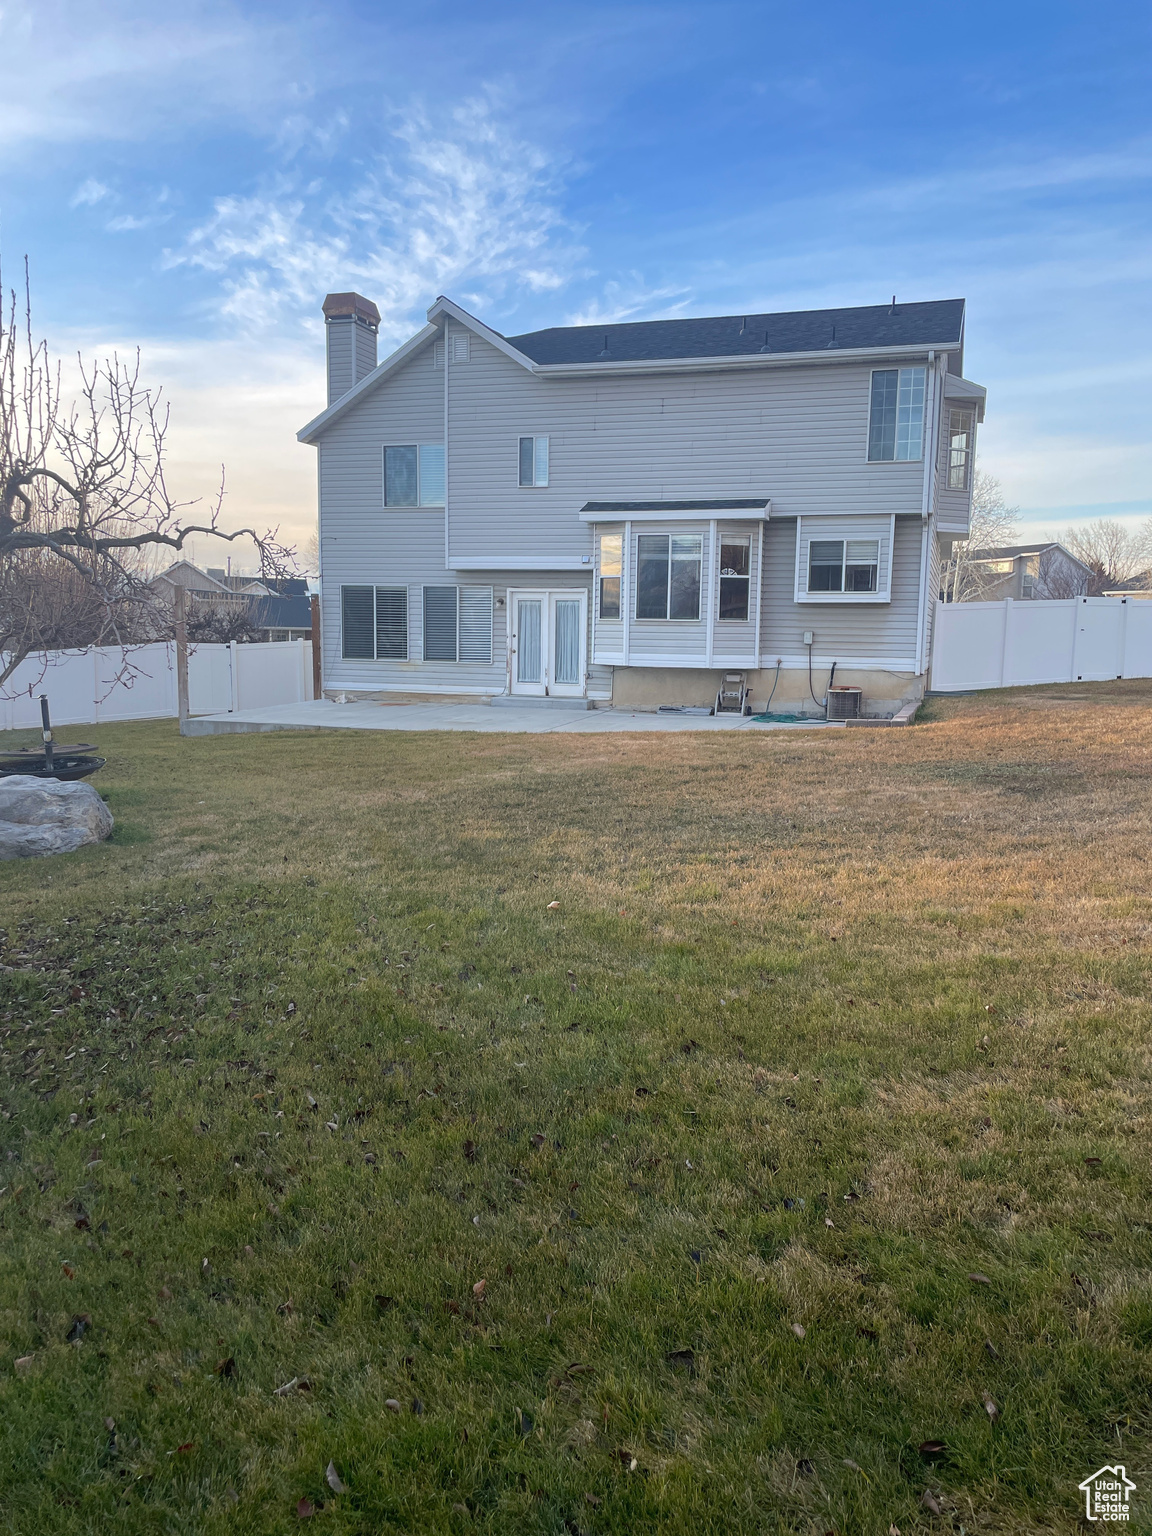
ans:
x=195 y=186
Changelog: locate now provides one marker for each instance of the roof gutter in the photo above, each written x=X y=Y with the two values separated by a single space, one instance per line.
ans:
x=752 y=360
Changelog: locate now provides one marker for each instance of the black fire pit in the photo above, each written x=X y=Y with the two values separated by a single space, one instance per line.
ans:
x=51 y=761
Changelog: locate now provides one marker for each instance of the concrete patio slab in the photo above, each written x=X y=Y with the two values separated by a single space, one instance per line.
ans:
x=323 y=714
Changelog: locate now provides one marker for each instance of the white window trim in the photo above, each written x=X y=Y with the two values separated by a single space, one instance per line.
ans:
x=537 y=437
x=420 y=506
x=703 y=602
x=897 y=368
x=460 y=587
x=734 y=538
x=883 y=593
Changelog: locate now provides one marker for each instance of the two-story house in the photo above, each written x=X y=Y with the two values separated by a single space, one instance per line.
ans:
x=626 y=512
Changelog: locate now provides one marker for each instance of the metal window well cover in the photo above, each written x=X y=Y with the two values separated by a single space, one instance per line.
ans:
x=844 y=702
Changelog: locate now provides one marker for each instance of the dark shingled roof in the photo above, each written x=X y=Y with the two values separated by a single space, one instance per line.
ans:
x=938 y=323
x=291 y=612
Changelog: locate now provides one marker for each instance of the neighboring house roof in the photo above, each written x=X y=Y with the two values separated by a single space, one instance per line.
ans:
x=1141 y=583
x=290 y=612
x=938 y=323
x=180 y=567
x=712 y=341
x=1016 y=551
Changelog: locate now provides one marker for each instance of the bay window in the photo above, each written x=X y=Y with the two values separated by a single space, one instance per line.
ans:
x=735 y=576
x=668 y=576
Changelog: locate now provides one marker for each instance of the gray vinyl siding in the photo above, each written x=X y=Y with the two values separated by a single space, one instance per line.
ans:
x=883 y=634
x=799 y=434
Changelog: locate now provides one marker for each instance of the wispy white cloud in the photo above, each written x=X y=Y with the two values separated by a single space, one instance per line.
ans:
x=630 y=299
x=463 y=202
x=88 y=194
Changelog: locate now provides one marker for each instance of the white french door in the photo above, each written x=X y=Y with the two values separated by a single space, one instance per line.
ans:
x=548 y=648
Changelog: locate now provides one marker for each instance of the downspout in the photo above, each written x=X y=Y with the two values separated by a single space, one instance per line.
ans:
x=447 y=551
x=709 y=641
x=626 y=592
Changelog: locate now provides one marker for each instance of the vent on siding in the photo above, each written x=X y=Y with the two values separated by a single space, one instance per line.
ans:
x=476 y=624
x=356 y=623
x=392 y=623
x=438 y=354
x=460 y=345
x=440 y=623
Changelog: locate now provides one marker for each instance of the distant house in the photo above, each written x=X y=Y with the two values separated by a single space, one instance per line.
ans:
x=1023 y=571
x=1139 y=586
x=276 y=608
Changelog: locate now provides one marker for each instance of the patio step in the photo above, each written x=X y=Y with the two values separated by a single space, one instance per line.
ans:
x=519 y=701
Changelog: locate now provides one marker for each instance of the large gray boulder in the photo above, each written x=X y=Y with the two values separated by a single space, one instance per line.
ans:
x=41 y=816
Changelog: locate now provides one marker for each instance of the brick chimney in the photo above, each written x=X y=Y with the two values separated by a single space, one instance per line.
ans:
x=352 y=322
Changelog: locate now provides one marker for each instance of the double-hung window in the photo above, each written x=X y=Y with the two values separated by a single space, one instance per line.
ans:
x=843 y=565
x=735 y=576
x=668 y=575
x=414 y=475
x=533 y=461
x=896 y=417
x=374 y=623
x=611 y=565
x=458 y=624
x=959 y=449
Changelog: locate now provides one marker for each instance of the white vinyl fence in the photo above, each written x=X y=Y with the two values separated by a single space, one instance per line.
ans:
x=104 y=684
x=1009 y=643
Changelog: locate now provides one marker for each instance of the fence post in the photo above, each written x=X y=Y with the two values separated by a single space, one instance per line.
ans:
x=234 y=676
x=181 y=610
x=317 y=676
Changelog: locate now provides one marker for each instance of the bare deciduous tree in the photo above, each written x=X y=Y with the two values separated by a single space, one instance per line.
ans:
x=1113 y=552
x=84 y=502
x=993 y=523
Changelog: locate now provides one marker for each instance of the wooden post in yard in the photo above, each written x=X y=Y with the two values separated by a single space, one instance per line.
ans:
x=317 y=685
x=181 y=612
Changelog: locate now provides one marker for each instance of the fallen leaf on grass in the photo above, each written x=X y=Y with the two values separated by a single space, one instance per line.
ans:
x=183 y=1450
x=305 y=1509
x=590 y=1498
x=990 y=1407
x=227 y=1368
x=929 y=1502
x=392 y=1405
x=799 y=1330
x=681 y=1359
x=893 y=1530
x=552 y=905
x=1094 y=1162
x=297 y=1384
x=805 y=1467
x=332 y=1478
x=523 y=1422
x=930 y=1449
x=417 y=1406
x=979 y=1279
x=384 y=1303
x=24 y=1364
x=75 y=1333
x=470 y=1151
x=69 y=1272
x=538 y=1140
x=479 y=1288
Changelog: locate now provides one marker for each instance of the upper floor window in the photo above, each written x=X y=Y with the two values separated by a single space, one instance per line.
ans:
x=843 y=565
x=959 y=449
x=668 y=575
x=735 y=578
x=533 y=461
x=611 y=564
x=414 y=475
x=896 y=419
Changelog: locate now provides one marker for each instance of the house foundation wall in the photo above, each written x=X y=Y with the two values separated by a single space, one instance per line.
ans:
x=648 y=687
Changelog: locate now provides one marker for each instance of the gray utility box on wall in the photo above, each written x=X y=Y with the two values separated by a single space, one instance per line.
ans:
x=844 y=703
